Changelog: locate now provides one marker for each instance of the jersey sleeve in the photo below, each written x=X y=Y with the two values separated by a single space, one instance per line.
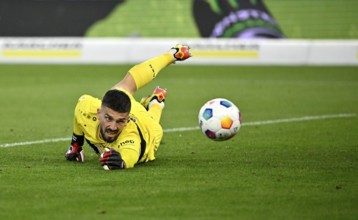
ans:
x=76 y=128
x=129 y=156
x=129 y=148
x=77 y=115
x=85 y=114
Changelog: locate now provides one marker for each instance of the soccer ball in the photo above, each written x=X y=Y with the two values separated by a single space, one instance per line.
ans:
x=219 y=119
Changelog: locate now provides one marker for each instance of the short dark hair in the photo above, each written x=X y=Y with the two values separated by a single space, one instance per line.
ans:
x=117 y=100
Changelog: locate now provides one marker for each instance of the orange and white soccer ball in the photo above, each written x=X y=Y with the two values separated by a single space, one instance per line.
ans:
x=219 y=119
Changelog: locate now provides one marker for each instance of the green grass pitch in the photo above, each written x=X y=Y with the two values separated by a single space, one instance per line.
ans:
x=304 y=169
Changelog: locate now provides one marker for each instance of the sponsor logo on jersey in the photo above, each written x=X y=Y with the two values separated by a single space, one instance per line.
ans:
x=125 y=142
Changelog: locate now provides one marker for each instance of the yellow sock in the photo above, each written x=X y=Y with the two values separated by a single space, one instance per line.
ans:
x=145 y=72
x=155 y=110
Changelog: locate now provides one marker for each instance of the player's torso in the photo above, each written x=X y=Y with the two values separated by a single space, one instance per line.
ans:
x=131 y=135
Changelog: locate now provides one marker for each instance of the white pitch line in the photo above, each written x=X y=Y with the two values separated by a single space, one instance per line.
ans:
x=16 y=144
x=285 y=120
x=170 y=130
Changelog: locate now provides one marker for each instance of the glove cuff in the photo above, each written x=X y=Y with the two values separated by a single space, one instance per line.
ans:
x=77 y=139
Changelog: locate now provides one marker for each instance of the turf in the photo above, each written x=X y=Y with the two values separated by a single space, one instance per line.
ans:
x=296 y=170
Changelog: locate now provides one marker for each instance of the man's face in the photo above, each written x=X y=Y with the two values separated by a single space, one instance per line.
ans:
x=111 y=123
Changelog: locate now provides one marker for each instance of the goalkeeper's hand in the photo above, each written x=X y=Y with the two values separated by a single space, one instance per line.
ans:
x=112 y=160
x=75 y=153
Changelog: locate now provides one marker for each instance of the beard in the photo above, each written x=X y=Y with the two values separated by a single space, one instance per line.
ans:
x=108 y=139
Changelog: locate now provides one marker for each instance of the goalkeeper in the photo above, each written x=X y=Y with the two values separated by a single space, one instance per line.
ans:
x=121 y=130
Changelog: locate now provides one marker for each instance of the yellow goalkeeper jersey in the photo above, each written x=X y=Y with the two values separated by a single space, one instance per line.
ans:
x=138 y=141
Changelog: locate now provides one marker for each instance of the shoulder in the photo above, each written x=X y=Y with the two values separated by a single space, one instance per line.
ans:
x=88 y=98
x=130 y=129
x=87 y=103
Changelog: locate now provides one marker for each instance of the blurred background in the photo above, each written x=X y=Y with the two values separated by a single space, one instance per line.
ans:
x=303 y=19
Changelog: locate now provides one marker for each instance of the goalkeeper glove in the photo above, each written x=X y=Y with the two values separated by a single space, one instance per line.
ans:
x=112 y=160
x=75 y=153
